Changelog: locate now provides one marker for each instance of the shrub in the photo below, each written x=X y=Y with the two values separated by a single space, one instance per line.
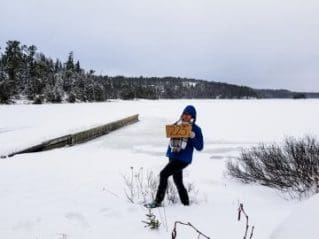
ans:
x=141 y=187
x=292 y=167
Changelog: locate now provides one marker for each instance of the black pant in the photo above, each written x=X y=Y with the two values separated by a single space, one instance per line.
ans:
x=175 y=168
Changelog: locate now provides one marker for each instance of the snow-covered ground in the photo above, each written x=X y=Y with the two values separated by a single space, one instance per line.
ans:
x=78 y=192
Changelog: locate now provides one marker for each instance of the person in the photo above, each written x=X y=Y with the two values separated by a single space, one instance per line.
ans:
x=180 y=154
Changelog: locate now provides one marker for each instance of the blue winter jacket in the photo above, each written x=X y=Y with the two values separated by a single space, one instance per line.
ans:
x=186 y=155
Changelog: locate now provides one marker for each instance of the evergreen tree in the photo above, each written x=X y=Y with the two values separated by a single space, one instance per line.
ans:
x=13 y=60
x=30 y=71
x=57 y=66
x=78 y=67
x=69 y=65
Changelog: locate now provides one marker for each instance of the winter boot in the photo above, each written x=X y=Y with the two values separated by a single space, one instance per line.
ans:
x=153 y=204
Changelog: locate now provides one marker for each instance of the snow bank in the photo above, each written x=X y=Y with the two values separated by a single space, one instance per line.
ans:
x=302 y=223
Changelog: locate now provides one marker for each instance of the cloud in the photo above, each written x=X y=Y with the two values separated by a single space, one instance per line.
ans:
x=264 y=44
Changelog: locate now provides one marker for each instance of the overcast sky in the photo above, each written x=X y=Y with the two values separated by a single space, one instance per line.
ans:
x=259 y=43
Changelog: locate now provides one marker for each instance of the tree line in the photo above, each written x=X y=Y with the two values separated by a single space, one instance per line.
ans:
x=26 y=73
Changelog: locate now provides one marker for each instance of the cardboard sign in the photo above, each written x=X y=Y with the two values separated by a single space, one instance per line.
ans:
x=178 y=131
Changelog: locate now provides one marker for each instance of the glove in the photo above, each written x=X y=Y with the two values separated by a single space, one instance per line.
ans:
x=193 y=135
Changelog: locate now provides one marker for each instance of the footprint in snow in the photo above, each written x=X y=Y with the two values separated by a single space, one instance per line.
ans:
x=77 y=218
x=109 y=212
x=26 y=225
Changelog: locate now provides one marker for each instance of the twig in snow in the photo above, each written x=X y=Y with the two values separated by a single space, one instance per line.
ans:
x=241 y=210
x=252 y=232
x=63 y=235
x=110 y=192
x=174 y=232
x=165 y=218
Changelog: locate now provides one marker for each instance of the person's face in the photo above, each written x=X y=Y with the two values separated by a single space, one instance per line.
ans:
x=186 y=117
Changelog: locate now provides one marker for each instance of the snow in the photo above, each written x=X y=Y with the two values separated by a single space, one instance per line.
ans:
x=78 y=192
x=302 y=223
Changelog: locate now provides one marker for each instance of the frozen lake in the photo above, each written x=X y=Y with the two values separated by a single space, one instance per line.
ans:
x=222 y=121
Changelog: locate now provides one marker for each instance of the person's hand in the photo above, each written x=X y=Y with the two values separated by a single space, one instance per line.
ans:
x=193 y=135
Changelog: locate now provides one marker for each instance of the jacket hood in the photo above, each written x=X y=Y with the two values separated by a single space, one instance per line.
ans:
x=190 y=110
